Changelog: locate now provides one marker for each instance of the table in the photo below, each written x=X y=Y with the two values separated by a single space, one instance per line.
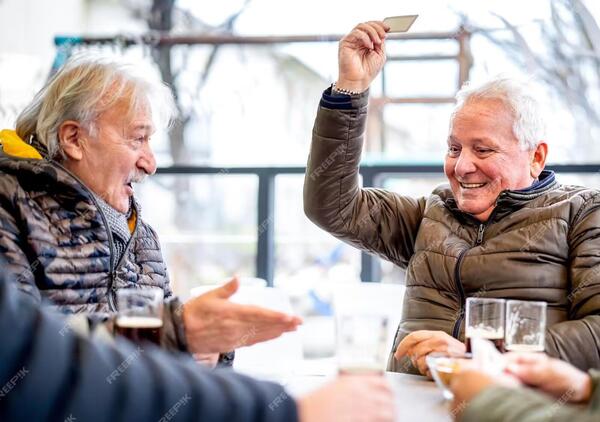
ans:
x=417 y=398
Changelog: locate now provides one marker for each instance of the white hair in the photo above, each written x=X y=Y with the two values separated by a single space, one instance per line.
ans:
x=87 y=85
x=521 y=99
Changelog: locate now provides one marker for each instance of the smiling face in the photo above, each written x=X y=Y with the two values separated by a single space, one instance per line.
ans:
x=484 y=157
x=114 y=156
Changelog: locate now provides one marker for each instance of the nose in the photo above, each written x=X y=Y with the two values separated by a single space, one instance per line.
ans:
x=147 y=162
x=465 y=164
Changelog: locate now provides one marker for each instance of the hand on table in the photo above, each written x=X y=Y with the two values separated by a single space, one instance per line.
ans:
x=361 y=55
x=214 y=324
x=555 y=377
x=349 y=398
x=418 y=344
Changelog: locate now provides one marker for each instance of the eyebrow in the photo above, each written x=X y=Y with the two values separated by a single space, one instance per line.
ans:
x=474 y=141
x=143 y=127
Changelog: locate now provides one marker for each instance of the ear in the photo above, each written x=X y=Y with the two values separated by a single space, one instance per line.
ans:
x=70 y=139
x=538 y=159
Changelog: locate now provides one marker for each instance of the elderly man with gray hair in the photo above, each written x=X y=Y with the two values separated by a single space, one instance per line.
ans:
x=69 y=225
x=502 y=228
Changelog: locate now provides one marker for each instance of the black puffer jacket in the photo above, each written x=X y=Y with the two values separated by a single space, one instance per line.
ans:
x=56 y=240
x=49 y=377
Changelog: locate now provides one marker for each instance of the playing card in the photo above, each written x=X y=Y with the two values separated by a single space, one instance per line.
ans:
x=400 y=23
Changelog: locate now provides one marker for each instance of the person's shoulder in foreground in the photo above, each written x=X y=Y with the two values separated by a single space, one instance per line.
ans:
x=563 y=393
x=48 y=372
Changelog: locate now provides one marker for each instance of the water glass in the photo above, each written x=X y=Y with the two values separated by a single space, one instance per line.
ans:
x=525 y=326
x=361 y=343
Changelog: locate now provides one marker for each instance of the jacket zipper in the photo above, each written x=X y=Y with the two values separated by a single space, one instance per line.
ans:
x=461 y=293
x=112 y=288
x=480 y=232
x=112 y=295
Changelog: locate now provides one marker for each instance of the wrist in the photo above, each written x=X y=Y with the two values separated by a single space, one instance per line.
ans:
x=185 y=323
x=348 y=87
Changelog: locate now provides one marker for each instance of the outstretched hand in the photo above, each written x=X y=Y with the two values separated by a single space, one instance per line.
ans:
x=214 y=324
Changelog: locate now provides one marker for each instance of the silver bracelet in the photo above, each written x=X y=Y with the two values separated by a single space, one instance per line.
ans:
x=344 y=91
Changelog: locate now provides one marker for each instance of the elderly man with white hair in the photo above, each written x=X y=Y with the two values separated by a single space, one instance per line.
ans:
x=502 y=228
x=69 y=225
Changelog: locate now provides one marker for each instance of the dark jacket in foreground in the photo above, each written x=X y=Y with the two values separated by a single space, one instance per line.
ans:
x=500 y=404
x=48 y=373
x=539 y=244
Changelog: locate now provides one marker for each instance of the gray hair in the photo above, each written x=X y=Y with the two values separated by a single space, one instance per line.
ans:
x=87 y=85
x=521 y=99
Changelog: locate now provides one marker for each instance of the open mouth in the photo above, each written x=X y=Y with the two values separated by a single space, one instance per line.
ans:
x=129 y=187
x=471 y=185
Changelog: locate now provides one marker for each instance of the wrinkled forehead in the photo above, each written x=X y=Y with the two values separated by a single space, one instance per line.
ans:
x=128 y=97
x=482 y=114
x=127 y=116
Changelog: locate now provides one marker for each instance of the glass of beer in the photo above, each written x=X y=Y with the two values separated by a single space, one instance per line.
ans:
x=139 y=315
x=361 y=343
x=443 y=367
x=485 y=319
x=525 y=326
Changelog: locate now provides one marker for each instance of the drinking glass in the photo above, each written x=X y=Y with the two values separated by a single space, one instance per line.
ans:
x=485 y=319
x=525 y=326
x=443 y=366
x=139 y=315
x=361 y=343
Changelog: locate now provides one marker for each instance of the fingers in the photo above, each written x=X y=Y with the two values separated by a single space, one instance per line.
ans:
x=412 y=340
x=361 y=39
x=226 y=290
x=369 y=34
x=422 y=349
x=380 y=27
x=525 y=358
x=529 y=367
x=437 y=341
x=258 y=324
x=421 y=365
x=254 y=337
x=383 y=398
x=372 y=32
x=377 y=383
x=261 y=316
x=419 y=344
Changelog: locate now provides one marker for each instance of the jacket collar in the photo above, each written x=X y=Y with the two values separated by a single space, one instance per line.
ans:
x=14 y=146
x=510 y=201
